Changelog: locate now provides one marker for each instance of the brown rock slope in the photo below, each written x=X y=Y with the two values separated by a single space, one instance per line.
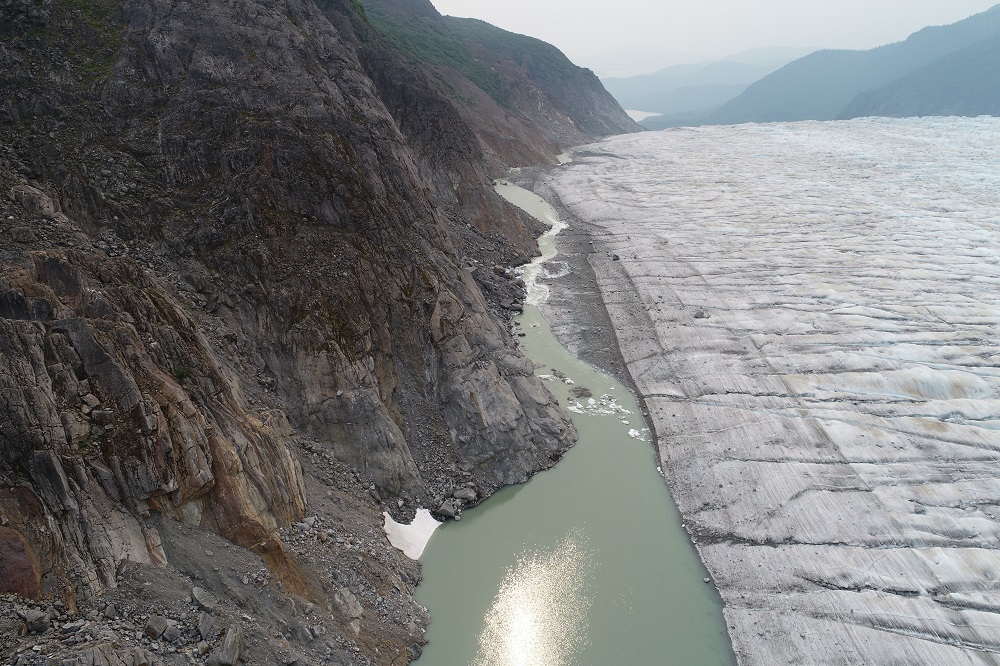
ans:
x=247 y=261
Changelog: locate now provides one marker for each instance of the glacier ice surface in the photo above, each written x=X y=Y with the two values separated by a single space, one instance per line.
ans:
x=812 y=318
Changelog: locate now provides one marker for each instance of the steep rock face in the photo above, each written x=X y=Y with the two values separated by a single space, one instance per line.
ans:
x=219 y=243
x=449 y=153
x=116 y=407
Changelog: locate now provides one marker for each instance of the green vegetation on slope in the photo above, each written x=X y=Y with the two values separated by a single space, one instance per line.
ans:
x=821 y=85
x=524 y=75
x=544 y=63
x=424 y=36
x=965 y=83
x=576 y=89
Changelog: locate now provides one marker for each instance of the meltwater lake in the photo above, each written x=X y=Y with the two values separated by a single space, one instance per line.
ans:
x=587 y=564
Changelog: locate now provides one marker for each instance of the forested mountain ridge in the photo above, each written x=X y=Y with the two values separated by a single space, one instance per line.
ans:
x=963 y=83
x=525 y=95
x=821 y=85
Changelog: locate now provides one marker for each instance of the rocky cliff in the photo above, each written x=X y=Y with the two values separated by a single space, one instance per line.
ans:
x=253 y=292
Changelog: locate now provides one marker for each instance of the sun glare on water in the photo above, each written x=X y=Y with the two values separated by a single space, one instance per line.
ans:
x=539 y=616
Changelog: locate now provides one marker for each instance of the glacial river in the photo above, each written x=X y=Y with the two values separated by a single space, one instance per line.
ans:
x=588 y=563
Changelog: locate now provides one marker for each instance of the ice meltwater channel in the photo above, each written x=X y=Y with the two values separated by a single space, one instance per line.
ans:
x=587 y=564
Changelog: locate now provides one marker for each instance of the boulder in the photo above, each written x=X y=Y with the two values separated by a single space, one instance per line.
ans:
x=449 y=508
x=227 y=652
x=156 y=625
x=205 y=625
x=347 y=603
x=37 y=621
x=205 y=600
x=73 y=627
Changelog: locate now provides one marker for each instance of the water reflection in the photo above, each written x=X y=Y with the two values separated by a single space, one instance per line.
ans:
x=539 y=616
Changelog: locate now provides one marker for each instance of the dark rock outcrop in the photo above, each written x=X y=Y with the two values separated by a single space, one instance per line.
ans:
x=21 y=14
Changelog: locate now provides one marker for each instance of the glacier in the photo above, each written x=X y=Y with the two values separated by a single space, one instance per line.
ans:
x=810 y=312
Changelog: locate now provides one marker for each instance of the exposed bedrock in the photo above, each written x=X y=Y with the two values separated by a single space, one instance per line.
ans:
x=233 y=235
x=116 y=407
x=809 y=314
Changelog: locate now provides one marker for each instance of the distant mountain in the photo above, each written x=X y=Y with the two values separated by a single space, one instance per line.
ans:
x=964 y=83
x=680 y=119
x=697 y=88
x=821 y=85
x=689 y=99
x=770 y=55
x=694 y=118
x=655 y=92
x=636 y=59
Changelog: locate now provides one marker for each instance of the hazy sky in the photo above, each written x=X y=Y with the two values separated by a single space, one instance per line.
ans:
x=600 y=33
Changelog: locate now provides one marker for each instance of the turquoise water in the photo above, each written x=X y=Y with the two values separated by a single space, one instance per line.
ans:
x=586 y=564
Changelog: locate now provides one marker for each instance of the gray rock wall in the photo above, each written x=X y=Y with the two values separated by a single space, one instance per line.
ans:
x=218 y=246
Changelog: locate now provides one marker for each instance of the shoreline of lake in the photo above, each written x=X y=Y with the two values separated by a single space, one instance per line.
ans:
x=575 y=308
x=635 y=589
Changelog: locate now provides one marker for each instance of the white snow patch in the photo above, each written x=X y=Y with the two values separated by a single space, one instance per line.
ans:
x=412 y=538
